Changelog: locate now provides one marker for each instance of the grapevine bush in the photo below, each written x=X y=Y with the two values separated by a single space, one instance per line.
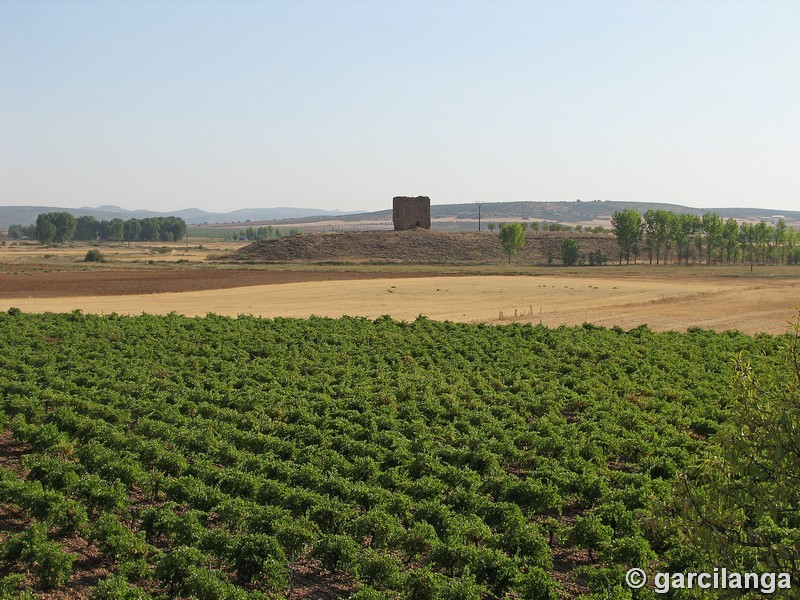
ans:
x=218 y=457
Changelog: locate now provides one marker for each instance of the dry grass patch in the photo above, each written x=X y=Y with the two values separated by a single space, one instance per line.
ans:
x=664 y=303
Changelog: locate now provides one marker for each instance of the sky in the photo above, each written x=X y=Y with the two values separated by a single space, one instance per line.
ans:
x=164 y=105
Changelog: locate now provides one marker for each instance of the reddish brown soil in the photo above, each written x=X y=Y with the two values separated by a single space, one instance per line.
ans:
x=56 y=284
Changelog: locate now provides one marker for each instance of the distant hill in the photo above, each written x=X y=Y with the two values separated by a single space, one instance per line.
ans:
x=565 y=212
x=26 y=215
x=562 y=212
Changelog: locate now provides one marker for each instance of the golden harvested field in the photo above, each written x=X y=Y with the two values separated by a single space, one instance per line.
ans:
x=663 y=301
x=162 y=278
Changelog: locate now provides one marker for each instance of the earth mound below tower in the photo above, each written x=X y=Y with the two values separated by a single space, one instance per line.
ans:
x=417 y=246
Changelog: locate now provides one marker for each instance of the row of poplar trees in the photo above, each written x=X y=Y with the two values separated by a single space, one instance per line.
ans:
x=59 y=227
x=663 y=236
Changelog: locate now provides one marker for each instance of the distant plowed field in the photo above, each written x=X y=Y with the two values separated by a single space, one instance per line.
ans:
x=417 y=246
x=56 y=284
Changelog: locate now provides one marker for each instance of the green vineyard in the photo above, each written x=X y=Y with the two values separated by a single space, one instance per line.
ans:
x=165 y=457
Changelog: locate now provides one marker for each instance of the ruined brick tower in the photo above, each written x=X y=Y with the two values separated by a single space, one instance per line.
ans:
x=409 y=213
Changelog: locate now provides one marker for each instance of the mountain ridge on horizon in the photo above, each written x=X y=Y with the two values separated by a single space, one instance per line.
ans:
x=26 y=214
x=559 y=211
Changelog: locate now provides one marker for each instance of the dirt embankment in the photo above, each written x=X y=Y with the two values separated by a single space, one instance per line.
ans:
x=418 y=246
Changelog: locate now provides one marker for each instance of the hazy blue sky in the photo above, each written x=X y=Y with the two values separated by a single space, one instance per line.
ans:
x=333 y=104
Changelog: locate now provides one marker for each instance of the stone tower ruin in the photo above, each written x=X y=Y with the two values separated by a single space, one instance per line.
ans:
x=409 y=213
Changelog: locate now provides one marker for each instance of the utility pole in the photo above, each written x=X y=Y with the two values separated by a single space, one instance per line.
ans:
x=479 y=215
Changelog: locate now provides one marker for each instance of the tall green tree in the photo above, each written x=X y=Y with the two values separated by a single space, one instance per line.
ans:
x=779 y=239
x=712 y=231
x=650 y=235
x=668 y=224
x=116 y=230
x=657 y=232
x=570 y=251
x=65 y=226
x=792 y=240
x=56 y=227
x=45 y=229
x=512 y=238
x=133 y=227
x=763 y=235
x=747 y=241
x=149 y=229
x=688 y=227
x=628 y=228
x=730 y=234
x=172 y=227
x=86 y=228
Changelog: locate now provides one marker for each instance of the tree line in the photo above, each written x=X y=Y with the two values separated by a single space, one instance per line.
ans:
x=663 y=236
x=512 y=238
x=267 y=232
x=60 y=227
x=553 y=227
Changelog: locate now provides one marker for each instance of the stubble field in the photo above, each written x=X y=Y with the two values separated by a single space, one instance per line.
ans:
x=665 y=298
